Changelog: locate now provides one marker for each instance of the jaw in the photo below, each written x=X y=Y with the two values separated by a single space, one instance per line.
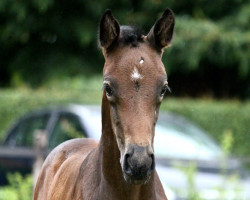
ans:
x=133 y=181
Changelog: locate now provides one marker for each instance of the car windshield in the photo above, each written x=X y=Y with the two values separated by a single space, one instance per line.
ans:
x=180 y=139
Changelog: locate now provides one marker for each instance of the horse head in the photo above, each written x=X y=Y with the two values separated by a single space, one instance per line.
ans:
x=134 y=82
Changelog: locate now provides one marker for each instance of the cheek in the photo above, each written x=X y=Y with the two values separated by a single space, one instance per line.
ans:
x=117 y=128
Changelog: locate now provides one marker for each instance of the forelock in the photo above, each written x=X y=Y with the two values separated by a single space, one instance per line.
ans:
x=130 y=36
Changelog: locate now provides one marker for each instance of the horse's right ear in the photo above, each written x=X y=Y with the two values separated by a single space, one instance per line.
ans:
x=109 y=30
x=161 y=33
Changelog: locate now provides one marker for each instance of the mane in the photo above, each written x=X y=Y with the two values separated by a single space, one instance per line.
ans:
x=130 y=36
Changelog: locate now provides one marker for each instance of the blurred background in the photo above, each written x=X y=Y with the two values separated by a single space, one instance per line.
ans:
x=49 y=56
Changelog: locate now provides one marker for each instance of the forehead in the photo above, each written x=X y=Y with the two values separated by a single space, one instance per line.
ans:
x=141 y=60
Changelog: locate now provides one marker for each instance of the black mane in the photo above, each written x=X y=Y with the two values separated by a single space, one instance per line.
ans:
x=130 y=36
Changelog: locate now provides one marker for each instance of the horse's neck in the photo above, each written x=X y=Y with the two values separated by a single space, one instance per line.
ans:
x=112 y=178
x=109 y=151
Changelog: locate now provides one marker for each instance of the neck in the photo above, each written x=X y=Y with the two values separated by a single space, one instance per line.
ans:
x=109 y=155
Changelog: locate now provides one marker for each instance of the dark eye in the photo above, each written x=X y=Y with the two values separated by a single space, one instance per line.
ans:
x=164 y=89
x=108 y=90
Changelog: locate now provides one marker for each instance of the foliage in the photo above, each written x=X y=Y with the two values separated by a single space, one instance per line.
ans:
x=50 y=39
x=19 y=188
x=209 y=51
x=234 y=178
x=16 y=102
x=190 y=173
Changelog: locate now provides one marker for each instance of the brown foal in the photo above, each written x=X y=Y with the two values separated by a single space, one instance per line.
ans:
x=122 y=165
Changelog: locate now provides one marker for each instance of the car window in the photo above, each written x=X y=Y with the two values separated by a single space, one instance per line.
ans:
x=23 y=134
x=68 y=126
x=188 y=142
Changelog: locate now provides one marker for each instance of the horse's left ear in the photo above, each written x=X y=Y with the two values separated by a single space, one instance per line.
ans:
x=161 y=33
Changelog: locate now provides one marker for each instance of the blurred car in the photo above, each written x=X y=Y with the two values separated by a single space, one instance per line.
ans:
x=189 y=162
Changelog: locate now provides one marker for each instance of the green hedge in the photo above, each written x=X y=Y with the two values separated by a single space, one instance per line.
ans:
x=216 y=117
x=16 y=102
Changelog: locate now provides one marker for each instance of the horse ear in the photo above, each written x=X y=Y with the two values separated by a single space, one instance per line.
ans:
x=109 y=30
x=161 y=33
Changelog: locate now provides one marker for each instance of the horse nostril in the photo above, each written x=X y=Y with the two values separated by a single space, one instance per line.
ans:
x=153 y=162
x=127 y=167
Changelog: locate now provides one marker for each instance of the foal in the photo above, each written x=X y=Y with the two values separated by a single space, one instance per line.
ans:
x=122 y=165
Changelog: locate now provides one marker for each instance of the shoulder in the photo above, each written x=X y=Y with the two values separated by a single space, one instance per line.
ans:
x=66 y=157
x=70 y=148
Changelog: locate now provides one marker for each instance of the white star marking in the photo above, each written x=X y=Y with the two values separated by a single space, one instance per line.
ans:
x=135 y=75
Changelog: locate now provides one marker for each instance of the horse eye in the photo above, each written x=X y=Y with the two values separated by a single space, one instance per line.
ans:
x=164 y=90
x=109 y=91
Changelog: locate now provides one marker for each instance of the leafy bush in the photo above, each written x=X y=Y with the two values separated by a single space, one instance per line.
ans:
x=19 y=188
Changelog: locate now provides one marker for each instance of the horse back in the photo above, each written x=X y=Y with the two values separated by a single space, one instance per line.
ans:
x=61 y=169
